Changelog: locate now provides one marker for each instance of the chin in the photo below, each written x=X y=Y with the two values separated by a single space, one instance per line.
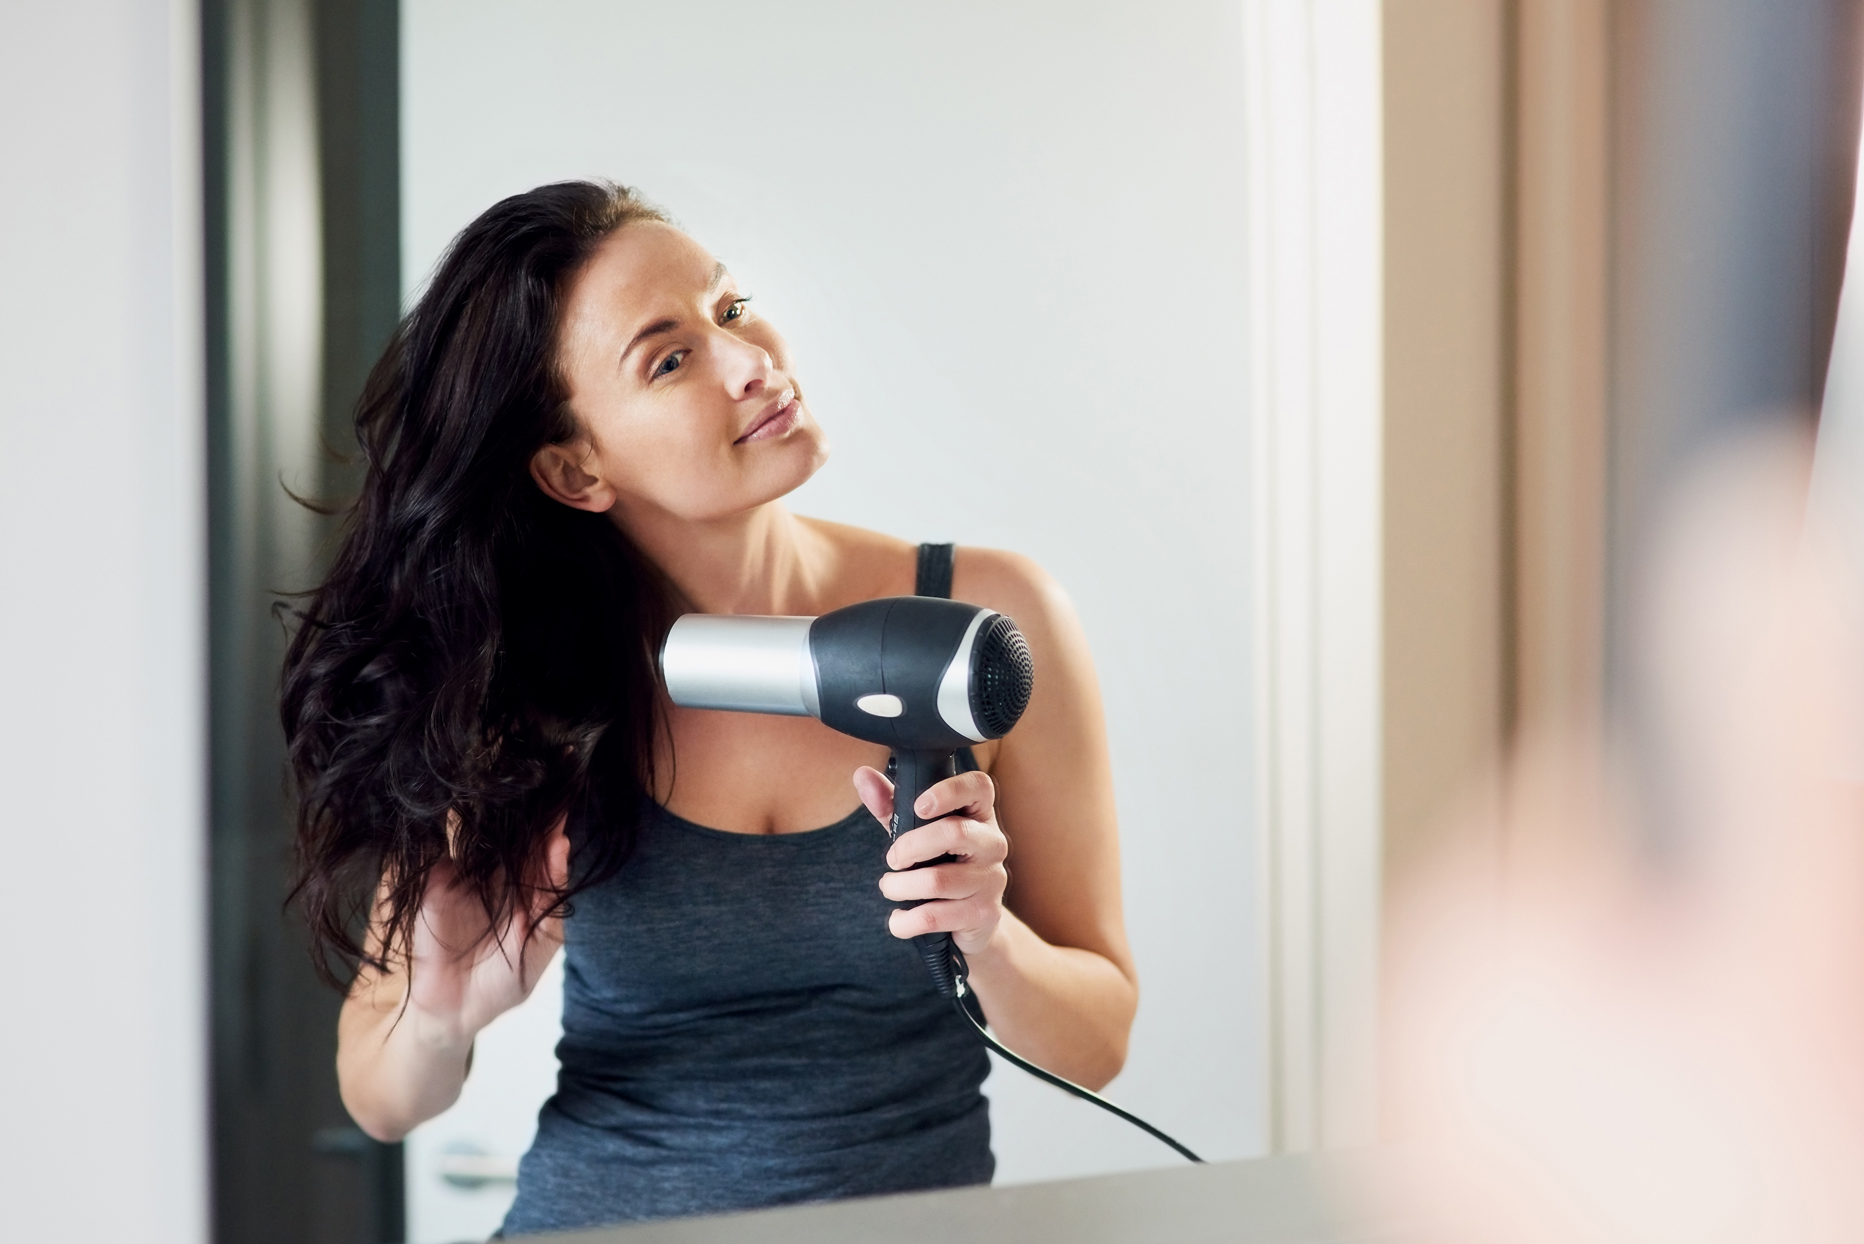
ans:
x=822 y=449
x=779 y=473
x=800 y=455
x=797 y=469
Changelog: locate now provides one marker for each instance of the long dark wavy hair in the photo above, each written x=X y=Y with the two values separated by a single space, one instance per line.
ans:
x=478 y=662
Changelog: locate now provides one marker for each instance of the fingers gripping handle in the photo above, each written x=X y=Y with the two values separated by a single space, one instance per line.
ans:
x=913 y=774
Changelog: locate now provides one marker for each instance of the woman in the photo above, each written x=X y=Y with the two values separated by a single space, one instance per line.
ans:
x=580 y=431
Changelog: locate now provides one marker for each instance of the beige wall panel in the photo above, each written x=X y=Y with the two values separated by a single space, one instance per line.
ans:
x=1446 y=350
x=1563 y=159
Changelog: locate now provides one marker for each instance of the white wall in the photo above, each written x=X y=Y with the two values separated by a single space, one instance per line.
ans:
x=1315 y=225
x=102 y=1048
x=1006 y=241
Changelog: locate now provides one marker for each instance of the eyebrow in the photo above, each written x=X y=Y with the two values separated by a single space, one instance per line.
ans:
x=652 y=330
x=666 y=326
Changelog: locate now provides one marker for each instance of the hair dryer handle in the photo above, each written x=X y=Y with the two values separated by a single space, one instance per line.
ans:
x=913 y=774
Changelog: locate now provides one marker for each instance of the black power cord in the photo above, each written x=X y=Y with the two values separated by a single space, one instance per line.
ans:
x=960 y=993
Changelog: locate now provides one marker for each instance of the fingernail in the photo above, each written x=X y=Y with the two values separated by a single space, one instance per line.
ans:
x=924 y=805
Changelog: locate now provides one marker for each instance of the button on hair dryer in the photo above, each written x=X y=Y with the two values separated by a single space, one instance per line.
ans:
x=922 y=675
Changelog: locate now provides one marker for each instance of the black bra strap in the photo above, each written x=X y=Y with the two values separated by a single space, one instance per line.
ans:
x=935 y=580
x=934 y=571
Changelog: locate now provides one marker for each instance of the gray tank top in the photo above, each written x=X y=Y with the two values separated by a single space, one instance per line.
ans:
x=741 y=1030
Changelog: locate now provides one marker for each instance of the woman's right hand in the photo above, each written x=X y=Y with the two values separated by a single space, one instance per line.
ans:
x=405 y=1035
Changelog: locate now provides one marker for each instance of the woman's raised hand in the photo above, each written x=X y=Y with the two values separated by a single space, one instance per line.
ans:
x=965 y=896
x=405 y=1037
x=465 y=974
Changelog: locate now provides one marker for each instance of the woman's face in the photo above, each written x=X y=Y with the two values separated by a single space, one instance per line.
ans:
x=685 y=398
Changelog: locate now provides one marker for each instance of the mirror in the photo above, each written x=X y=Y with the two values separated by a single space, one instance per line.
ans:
x=1007 y=247
x=1004 y=243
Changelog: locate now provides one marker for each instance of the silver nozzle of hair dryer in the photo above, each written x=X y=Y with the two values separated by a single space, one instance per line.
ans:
x=743 y=663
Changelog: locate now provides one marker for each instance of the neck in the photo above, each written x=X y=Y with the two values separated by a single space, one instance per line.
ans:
x=763 y=561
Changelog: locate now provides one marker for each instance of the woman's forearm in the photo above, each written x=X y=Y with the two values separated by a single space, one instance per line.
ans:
x=1065 y=1009
x=397 y=1066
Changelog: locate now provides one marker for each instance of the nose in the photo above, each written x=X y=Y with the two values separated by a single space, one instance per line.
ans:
x=747 y=366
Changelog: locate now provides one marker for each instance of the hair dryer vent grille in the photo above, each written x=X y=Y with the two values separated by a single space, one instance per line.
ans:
x=1002 y=676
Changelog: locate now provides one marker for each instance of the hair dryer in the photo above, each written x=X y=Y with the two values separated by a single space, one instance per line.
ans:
x=924 y=676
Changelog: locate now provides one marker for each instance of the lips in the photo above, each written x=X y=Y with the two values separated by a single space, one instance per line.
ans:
x=779 y=417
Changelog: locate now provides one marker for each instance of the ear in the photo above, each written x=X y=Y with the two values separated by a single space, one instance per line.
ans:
x=559 y=471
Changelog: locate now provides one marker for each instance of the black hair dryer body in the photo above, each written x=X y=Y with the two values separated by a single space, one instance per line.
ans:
x=922 y=675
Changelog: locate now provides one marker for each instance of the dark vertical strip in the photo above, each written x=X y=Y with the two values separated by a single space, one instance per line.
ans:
x=1733 y=168
x=288 y=1166
x=358 y=71
x=268 y=1079
x=1733 y=179
x=224 y=918
x=1508 y=443
x=359 y=149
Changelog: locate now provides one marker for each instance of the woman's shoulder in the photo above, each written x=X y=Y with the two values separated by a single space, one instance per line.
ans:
x=1063 y=716
x=1013 y=584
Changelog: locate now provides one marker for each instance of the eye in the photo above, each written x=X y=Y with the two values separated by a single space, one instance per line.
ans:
x=735 y=310
x=670 y=364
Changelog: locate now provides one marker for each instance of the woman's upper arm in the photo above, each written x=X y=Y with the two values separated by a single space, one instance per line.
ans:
x=1053 y=774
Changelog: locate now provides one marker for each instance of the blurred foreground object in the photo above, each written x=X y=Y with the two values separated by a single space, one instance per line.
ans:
x=1644 y=1021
